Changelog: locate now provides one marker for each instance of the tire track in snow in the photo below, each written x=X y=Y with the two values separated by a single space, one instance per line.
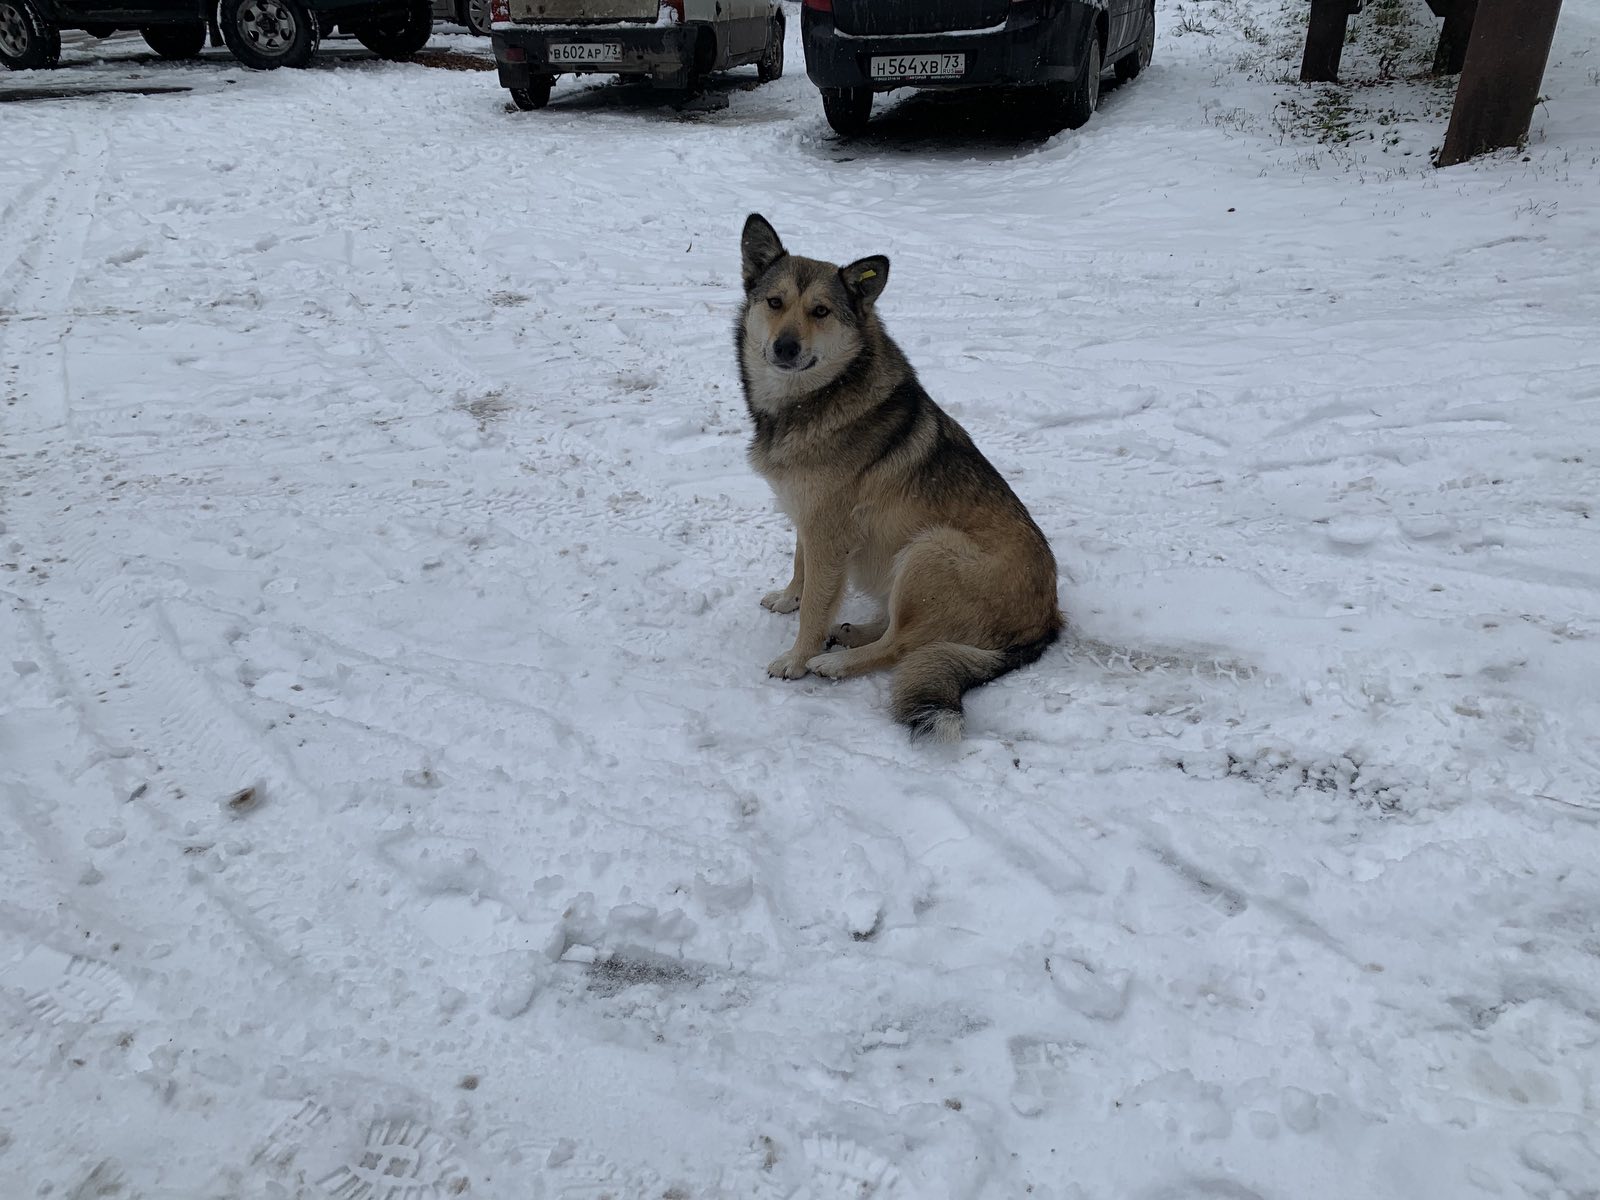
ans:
x=302 y=894
x=136 y=728
x=89 y=962
x=165 y=712
x=199 y=753
x=33 y=354
x=23 y=221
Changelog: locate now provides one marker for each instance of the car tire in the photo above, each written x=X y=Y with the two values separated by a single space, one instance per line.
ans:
x=28 y=42
x=267 y=34
x=175 y=41
x=536 y=95
x=848 y=109
x=1129 y=65
x=1081 y=97
x=397 y=33
x=771 y=65
x=474 y=14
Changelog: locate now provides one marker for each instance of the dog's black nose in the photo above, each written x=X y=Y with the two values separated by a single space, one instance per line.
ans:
x=786 y=349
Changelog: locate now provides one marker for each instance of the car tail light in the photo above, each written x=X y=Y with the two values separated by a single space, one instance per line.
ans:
x=818 y=5
x=672 y=11
x=499 y=10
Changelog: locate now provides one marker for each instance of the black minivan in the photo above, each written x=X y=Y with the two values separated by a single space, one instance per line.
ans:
x=857 y=47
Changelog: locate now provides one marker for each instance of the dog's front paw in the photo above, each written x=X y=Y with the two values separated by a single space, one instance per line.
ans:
x=787 y=666
x=829 y=666
x=781 y=602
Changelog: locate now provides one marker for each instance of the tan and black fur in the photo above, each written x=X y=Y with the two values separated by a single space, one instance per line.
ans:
x=886 y=491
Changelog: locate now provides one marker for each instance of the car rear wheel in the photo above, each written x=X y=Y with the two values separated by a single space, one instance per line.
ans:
x=535 y=95
x=1081 y=97
x=175 y=41
x=771 y=65
x=399 y=32
x=1129 y=65
x=848 y=109
x=268 y=34
x=474 y=14
x=28 y=42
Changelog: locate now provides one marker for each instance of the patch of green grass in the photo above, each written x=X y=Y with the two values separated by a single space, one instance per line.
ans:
x=1395 y=34
x=1328 y=118
x=1190 y=21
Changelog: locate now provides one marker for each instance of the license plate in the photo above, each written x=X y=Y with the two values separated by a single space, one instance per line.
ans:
x=920 y=66
x=587 y=53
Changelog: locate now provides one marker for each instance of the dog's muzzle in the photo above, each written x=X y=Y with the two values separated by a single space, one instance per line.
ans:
x=784 y=353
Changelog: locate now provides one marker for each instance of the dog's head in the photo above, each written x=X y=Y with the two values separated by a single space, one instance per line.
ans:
x=804 y=321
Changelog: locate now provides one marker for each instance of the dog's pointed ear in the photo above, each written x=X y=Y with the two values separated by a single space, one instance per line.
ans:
x=759 y=247
x=865 y=278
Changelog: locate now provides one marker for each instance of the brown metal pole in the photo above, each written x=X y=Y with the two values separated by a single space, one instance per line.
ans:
x=1324 y=41
x=1500 y=79
x=1453 y=38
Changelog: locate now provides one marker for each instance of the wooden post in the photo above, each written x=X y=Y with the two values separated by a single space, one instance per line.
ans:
x=1500 y=79
x=1325 y=40
x=1453 y=38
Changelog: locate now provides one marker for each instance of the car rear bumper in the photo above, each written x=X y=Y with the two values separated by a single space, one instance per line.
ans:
x=1041 y=42
x=665 y=53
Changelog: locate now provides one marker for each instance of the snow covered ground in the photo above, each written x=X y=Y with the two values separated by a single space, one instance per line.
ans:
x=392 y=800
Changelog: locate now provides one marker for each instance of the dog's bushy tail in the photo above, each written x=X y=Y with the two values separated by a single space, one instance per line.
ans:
x=930 y=680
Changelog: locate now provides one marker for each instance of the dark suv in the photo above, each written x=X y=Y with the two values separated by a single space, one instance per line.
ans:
x=261 y=33
x=857 y=47
x=30 y=30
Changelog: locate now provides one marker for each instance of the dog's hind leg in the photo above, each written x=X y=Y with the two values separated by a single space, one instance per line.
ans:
x=933 y=576
x=877 y=655
x=860 y=633
x=788 y=599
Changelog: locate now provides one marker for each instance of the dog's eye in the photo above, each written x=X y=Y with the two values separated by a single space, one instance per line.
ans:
x=774 y=302
x=820 y=311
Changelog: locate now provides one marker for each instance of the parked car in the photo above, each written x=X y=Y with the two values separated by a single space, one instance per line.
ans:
x=673 y=43
x=30 y=30
x=474 y=14
x=266 y=34
x=260 y=33
x=857 y=48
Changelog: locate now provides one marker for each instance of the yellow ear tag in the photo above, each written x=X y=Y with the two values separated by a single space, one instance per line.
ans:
x=868 y=275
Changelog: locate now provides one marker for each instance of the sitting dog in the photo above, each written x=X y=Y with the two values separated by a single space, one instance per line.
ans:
x=885 y=489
